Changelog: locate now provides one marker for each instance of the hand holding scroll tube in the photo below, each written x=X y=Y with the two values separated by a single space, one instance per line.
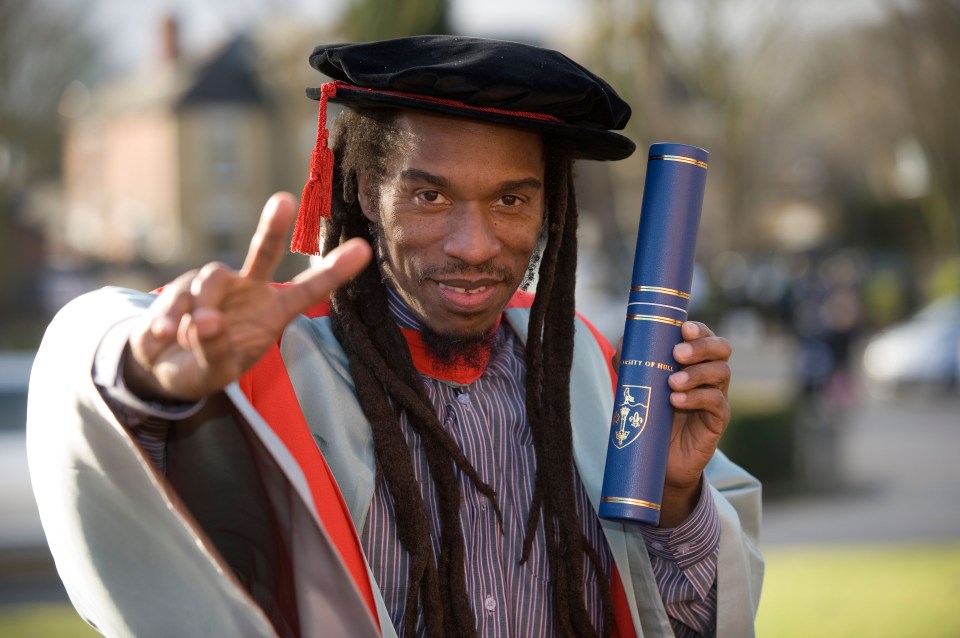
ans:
x=671 y=405
x=701 y=414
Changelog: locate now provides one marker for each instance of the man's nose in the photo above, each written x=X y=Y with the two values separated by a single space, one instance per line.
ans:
x=472 y=235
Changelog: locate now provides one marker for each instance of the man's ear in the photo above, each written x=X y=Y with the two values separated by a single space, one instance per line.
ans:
x=369 y=206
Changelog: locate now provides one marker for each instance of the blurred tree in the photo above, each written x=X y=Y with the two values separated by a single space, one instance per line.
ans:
x=381 y=19
x=709 y=74
x=41 y=52
x=926 y=39
x=851 y=122
x=881 y=110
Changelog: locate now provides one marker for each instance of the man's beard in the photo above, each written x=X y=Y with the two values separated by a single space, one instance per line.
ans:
x=455 y=350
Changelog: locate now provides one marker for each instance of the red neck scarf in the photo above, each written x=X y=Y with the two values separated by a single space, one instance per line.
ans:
x=462 y=372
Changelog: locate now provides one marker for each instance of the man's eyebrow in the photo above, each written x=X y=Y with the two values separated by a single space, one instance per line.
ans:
x=411 y=174
x=520 y=184
x=416 y=174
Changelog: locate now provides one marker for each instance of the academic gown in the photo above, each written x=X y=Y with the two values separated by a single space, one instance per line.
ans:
x=252 y=531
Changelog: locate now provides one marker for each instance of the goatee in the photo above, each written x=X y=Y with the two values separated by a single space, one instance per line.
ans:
x=455 y=350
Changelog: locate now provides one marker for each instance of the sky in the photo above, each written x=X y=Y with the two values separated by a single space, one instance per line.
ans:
x=130 y=29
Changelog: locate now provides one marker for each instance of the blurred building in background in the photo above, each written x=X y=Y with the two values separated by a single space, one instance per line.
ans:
x=171 y=165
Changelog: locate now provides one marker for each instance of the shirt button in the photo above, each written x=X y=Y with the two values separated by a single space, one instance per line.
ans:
x=656 y=545
x=464 y=399
x=490 y=603
x=683 y=549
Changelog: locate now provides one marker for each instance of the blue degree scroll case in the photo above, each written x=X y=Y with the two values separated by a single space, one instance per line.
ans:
x=659 y=297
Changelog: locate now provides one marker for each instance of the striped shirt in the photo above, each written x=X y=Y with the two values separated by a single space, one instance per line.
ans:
x=488 y=421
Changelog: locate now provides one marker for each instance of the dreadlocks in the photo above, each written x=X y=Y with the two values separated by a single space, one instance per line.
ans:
x=388 y=384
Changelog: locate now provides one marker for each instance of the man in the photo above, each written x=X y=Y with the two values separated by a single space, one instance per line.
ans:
x=462 y=424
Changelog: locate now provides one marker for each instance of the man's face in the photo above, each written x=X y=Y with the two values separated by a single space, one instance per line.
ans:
x=458 y=216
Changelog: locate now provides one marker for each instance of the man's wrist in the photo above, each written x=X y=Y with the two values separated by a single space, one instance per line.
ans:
x=678 y=503
x=139 y=381
x=694 y=539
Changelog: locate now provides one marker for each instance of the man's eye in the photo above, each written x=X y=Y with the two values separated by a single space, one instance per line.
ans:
x=510 y=200
x=431 y=197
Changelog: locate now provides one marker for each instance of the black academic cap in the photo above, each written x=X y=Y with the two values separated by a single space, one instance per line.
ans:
x=490 y=80
x=508 y=78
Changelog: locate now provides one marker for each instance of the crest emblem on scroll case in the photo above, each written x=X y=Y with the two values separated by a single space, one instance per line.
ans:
x=630 y=414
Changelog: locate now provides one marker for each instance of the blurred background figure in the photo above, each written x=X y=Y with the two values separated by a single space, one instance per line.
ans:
x=146 y=140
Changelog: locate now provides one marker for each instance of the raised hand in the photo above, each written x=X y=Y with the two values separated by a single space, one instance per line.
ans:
x=210 y=325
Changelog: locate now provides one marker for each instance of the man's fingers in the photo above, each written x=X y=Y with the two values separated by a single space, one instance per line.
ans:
x=715 y=374
x=268 y=245
x=211 y=285
x=706 y=348
x=313 y=286
x=158 y=327
x=164 y=315
x=708 y=401
x=208 y=339
x=694 y=330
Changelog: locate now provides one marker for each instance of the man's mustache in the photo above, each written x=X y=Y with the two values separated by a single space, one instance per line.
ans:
x=500 y=273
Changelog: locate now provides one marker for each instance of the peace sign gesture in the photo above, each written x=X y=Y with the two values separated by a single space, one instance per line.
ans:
x=210 y=325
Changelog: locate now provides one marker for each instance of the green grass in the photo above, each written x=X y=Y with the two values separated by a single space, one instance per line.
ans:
x=46 y=620
x=869 y=591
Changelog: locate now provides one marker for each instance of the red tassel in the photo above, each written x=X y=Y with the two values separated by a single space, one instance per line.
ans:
x=317 y=192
